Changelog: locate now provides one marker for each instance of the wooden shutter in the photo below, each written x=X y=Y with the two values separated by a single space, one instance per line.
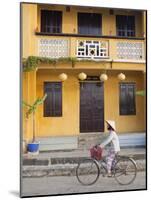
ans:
x=130 y=25
x=125 y=25
x=51 y=21
x=57 y=99
x=131 y=98
x=53 y=102
x=127 y=99
x=48 y=89
x=89 y=23
x=123 y=102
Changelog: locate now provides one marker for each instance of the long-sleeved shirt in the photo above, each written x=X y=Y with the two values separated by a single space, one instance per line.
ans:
x=112 y=138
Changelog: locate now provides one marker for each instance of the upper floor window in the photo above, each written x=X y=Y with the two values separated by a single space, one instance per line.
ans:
x=125 y=25
x=89 y=23
x=127 y=99
x=51 y=21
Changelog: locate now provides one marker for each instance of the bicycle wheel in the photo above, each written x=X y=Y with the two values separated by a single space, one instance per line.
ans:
x=125 y=170
x=87 y=172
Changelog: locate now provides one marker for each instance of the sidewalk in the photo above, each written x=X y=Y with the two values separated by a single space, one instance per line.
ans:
x=64 y=162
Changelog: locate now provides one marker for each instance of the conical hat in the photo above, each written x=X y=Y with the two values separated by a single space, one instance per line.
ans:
x=111 y=123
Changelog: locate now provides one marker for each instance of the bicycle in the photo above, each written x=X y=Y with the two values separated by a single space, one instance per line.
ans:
x=124 y=170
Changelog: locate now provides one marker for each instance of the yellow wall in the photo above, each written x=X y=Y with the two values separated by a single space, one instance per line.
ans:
x=134 y=123
x=29 y=24
x=29 y=96
x=144 y=22
x=68 y=124
x=108 y=21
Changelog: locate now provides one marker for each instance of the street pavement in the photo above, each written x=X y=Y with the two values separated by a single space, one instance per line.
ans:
x=69 y=185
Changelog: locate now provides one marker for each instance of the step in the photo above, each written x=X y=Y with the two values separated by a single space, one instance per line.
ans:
x=61 y=170
x=57 y=143
x=131 y=140
x=39 y=161
x=85 y=140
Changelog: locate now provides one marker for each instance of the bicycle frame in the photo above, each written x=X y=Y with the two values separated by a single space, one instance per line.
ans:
x=102 y=163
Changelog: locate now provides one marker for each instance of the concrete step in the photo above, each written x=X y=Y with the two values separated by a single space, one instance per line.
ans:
x=64 y=160
x=62 y=169
x=64 y=163
x=73 y=156
x=85 y=140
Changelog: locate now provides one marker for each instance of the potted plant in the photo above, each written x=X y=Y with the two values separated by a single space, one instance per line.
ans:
x=33 y=146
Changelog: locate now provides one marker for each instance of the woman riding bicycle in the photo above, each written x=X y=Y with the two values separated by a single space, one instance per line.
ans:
x=114 y=147
x=123 y=168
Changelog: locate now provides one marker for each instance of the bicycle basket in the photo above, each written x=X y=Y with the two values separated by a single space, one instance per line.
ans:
x=96 y=152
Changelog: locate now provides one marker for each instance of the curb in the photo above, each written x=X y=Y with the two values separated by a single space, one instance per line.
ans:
x=61 y=170
x=64 y=160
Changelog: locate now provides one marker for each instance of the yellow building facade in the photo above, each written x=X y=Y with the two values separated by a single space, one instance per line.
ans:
x=93 y=41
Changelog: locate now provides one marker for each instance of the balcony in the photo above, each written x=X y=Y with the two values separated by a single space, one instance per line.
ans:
x=92 y=49
x=130 y=50
x=100 y=49
x=53 y=48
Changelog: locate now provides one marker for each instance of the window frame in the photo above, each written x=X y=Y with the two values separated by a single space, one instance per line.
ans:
x=52 y=112
x=128 y=22
x=127 y=99
x=89 y=28
x=51 y=25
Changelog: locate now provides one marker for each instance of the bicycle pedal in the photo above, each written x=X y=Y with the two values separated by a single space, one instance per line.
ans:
x=104 y=175
x=110 y=176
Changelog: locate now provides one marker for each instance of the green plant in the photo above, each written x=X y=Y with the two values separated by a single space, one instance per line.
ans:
x=32 y=109
x=141 y=93
x=32 y=62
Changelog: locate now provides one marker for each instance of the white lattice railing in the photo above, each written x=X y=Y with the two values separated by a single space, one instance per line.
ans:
x=92 y=49
x=53 y=48
x=130 y=50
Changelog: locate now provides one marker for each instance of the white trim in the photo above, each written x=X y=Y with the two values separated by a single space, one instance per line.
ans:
x=96 y=60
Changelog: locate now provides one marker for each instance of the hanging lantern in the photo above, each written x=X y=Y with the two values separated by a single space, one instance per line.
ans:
x=121 y=76
x=63 y=77
x=82 y=76
x=103 y=77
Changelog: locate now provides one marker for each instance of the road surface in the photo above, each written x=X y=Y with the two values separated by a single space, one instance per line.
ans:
x=69 y=184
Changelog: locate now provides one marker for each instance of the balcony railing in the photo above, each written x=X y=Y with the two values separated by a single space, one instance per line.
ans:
x=92 y=49
x=116 y=49
x=130 y=50
x=53 y=48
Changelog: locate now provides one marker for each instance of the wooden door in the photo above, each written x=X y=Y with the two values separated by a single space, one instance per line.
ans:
x=91 y=107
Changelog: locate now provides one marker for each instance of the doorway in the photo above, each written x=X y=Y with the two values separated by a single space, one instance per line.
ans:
x=91 y=107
